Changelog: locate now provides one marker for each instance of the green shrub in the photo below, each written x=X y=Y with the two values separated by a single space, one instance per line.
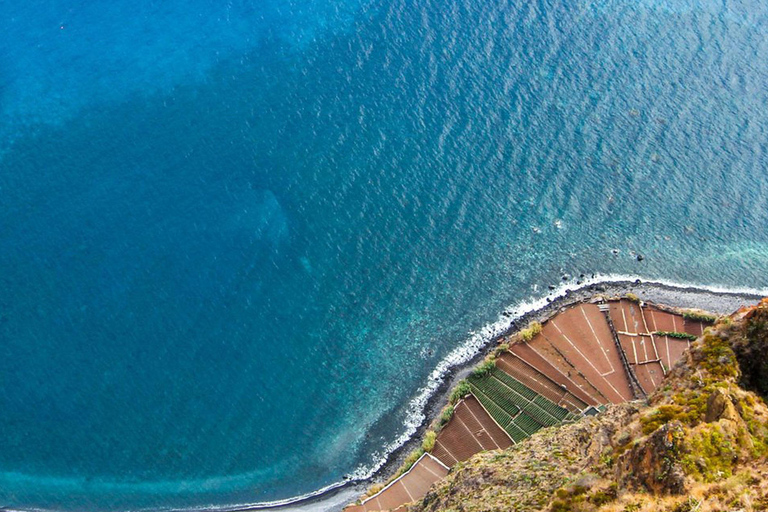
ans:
x=710 y=455
x=446 y=415
x=485 y=368
x=560 y=505
x=503 y=347
x=661 y=416
x=409 y=461
x=699 y=317
x=719 y=358
x=429 y=441
x=603 y=496
x=461 y=390
x=632 y=297
x=531 y=331
x=675 y=334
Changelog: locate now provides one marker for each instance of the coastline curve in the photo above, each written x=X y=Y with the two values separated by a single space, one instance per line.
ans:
x=418 y=407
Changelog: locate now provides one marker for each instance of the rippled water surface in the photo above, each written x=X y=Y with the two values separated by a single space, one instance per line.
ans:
x=236 y=238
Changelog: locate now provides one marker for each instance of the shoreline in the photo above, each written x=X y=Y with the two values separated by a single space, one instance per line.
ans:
x=714 y=299
x=429 y=399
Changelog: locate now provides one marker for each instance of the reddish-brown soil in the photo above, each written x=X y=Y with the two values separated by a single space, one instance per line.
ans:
x=470 y=430
x=392 y=497
x=670 y=349
x=695 y=328
x=627 y=316
x=539 y=382
x=595 y=355
x=418 y=481
x=630 y=350
x=662 y=321
x=410 y=487
x=639 y=348
x=649 y=375
x=546 y=360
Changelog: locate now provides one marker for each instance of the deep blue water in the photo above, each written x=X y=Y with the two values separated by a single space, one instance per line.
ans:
x=236 y=238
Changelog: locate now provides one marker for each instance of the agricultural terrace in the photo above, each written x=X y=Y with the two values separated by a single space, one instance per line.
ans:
x=588 y=355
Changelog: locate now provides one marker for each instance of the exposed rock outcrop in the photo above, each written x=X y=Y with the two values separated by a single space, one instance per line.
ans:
x=655 y=463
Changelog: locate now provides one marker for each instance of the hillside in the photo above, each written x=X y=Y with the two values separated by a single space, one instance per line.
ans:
x=699 y=442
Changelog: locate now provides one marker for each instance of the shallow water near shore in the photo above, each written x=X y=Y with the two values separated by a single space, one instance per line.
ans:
x=236 y=241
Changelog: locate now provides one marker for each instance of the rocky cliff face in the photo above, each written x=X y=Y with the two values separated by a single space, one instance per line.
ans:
x=699 y=443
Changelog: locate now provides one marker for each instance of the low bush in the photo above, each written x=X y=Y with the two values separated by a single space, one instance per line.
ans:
x=503 y=347
x=446 y=415
x=675 y=334
x=485 y=368
x=410 y=460
x=461 y=390
x=699 y=317
x=530 y=332
x=429 y=441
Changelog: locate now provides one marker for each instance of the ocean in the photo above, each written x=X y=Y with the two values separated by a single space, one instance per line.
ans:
x=237 y=238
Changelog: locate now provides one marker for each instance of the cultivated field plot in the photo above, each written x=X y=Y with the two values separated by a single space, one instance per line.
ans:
x=694 y=327
x=583 y=337
x=649 y=375
x=541 y=356
x=410 y=487
x=555 y=392
x=651 y=355
x=629 y=322
x=469 y=431
x=671 y=349
x=519 y=410
x=658 y=320
x=638 y=343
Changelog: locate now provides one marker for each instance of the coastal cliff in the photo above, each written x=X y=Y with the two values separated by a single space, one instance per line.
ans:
x=698 y=443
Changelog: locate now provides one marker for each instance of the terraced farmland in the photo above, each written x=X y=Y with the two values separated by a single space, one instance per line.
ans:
x=585 y=357
x=514 y=406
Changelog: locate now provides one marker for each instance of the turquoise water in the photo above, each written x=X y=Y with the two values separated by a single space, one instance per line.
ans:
x=236 y=239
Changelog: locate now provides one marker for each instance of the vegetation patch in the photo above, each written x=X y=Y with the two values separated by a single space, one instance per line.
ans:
x=699 y=317
x=500 y=349
x=485 y=368
x=711 y=453
x=373 y=489
x=688 y=407
x=409 y=461
x=601 y=497
x=429 y=441
x=718 y=357
x=461 y=390
x=530 y=332
x=678 y=335
x=445 y=416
